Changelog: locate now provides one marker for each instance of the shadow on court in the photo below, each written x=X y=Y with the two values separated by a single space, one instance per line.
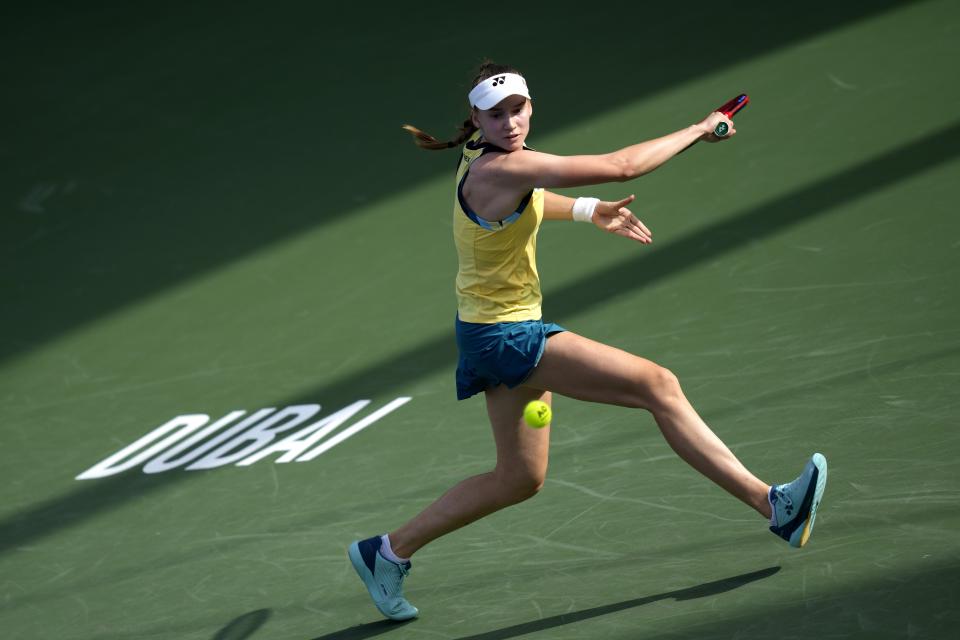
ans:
x=368 y=630
x=153 y=146
x=429 y=356
x=245 y=626
x=240 y=628
x=903 y=604
x=700 y=591
x=759 y=222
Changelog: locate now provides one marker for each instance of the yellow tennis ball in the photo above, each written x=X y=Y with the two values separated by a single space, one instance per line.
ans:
x=537 y=414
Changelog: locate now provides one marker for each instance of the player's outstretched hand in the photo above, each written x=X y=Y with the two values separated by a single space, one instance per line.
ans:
x=616 y=218
x=710 y=123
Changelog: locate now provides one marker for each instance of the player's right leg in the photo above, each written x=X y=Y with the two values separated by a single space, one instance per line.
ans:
x=521 y=467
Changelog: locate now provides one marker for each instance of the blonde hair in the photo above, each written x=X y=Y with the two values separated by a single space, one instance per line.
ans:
x=424 y=140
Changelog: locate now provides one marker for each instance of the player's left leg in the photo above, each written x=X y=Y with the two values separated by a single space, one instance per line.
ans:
x=578 y=367
x=582 y=368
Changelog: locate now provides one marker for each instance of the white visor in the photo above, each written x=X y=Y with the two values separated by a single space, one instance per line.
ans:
x=492 y=90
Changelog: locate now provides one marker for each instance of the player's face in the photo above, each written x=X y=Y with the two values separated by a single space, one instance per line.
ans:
x=507 y=123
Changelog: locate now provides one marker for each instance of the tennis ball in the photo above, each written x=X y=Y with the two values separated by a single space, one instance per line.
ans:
x=537 y=414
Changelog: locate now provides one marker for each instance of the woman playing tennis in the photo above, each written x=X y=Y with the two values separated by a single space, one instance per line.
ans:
x=510 y=355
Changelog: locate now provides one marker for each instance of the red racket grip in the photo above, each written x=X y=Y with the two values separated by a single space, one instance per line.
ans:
x=728 y=109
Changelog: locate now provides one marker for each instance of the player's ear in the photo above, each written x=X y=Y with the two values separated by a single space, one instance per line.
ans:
x=530 y=102
x=473 y=117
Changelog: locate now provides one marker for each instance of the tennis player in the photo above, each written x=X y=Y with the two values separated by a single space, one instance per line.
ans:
x=508 y=353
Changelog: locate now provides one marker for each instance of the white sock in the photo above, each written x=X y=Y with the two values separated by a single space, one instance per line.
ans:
x=387 y=551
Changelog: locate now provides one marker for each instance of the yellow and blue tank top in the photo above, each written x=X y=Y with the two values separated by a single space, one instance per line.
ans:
x=497 y=280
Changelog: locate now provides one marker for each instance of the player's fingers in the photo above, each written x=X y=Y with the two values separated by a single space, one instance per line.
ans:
x=638 y=234
x=639 y=237
x=630 y=227
x=639 y=225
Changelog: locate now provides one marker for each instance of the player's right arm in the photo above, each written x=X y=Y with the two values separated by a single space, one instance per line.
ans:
x=528 y=169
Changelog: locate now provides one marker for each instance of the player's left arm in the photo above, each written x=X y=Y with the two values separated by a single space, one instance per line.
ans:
x=613 y=217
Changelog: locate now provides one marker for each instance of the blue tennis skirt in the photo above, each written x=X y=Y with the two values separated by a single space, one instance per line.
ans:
x=499 y=353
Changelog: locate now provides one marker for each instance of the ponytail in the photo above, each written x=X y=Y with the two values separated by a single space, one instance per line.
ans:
x=427 y=141
x=487 y=69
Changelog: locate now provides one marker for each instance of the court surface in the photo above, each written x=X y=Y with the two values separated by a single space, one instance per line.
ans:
x=212 y=209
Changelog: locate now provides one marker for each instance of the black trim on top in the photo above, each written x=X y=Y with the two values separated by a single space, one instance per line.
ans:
x=481 y=221
x=481 y=145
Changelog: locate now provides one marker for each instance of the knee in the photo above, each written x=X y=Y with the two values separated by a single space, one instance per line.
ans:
x=662 y=390
x=521 y=484
x=525 y=487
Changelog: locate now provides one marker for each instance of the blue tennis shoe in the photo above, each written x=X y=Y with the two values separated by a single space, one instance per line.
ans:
x=795 y=504
x=383 y=578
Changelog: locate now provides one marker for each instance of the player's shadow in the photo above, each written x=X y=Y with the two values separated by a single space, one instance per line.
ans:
x=244 y=626
x=706 y=589
x=368 y=630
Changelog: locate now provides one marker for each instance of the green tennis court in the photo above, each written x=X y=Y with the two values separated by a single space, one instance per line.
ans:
x=211 y=209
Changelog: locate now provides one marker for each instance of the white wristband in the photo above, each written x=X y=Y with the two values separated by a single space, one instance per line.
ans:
x=583 y=209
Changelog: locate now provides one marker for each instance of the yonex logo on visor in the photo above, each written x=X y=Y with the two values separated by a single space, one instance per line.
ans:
x=491 y=91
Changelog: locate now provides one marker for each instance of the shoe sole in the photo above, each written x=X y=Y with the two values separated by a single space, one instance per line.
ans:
x=362 y=571
x=820 y=463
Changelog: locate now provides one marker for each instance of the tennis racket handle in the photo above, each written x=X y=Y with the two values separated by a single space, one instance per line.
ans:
x=729 y=109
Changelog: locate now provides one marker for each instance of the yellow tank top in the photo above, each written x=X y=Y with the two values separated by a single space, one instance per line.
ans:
x=497 y=280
